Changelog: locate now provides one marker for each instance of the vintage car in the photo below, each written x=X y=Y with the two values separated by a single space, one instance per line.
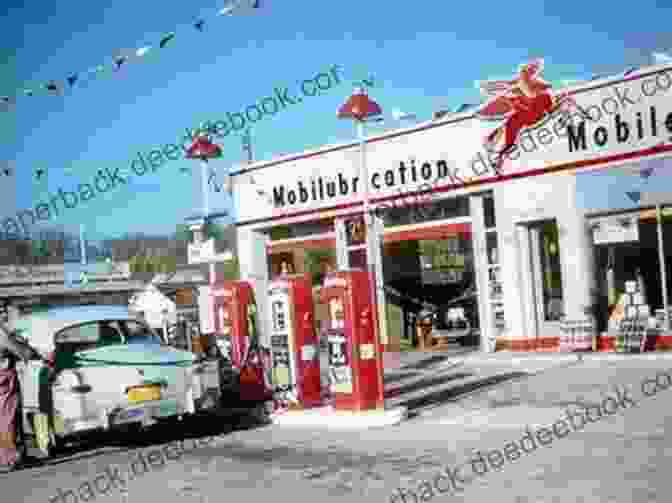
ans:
x=105 y=369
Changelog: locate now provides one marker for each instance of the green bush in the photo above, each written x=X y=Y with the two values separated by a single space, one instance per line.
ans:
x=231 y=269
x=137 y=264
x=153 y=264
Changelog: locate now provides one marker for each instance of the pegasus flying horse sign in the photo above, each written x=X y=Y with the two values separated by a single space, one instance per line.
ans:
x=524 y=102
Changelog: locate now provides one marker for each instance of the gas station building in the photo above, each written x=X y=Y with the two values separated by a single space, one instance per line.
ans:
x=538 y=257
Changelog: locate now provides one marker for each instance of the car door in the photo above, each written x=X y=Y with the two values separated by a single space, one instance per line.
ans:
x=73 y=407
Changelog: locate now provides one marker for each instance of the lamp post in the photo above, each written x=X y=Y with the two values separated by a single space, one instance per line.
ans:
x=663 y=267
x=360 y=108
x=204 y=149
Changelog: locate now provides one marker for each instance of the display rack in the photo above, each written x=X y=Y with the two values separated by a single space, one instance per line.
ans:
x=495 y=290
x=633 y=329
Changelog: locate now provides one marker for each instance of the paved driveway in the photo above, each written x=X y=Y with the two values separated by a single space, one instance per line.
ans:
x=619 y=458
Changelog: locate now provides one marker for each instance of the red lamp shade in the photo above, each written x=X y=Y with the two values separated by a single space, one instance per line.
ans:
x=203 y=149
x=359 y=106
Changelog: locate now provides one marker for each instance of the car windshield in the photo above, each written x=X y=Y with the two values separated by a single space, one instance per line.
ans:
x=137 y=333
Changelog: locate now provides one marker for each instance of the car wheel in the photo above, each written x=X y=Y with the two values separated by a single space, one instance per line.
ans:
x=261 y=413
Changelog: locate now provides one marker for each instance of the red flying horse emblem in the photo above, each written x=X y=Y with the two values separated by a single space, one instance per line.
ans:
x=521 y=102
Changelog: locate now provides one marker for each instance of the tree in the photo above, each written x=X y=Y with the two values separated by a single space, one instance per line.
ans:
x=183 y=234
x=168 y=264
x=23 y=252
x=138 y=263
x=153 y=263
x=231 y=269
x=14 y=252
x=39 y=250
x=316 y=260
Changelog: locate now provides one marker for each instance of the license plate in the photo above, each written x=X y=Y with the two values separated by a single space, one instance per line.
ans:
x=130 y=414
x=144 y=394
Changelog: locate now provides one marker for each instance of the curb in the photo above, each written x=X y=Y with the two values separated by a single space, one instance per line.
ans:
x=327 y=417
x=568 y=357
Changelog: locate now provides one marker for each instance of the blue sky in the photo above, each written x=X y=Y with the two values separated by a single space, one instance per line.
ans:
x=424 y=56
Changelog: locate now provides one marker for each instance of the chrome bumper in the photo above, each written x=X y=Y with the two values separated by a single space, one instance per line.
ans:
x=146 y=412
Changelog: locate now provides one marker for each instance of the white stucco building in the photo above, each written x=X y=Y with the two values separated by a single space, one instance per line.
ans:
x=523 y=238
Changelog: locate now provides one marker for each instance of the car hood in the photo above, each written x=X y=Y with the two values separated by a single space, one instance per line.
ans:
x=135 y=354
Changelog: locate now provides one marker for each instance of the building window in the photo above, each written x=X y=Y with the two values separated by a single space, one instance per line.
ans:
x=489 y=212
x=414 y=209
x=301 y=230
x=356 y=231
x=551 y=274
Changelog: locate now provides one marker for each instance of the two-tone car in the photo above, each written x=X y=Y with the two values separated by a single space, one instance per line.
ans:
x=105 y=368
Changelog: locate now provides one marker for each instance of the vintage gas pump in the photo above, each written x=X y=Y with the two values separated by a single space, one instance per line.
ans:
x=294 y=342
x=235 y=325
x=230 y=302
x=355 y=357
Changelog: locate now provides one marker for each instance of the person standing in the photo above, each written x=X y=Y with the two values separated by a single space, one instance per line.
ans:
x=11 y=349
x=9 y=411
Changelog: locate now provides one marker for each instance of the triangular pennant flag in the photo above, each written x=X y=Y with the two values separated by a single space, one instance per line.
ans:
x=28 y=92
x=97 y=69
x=634 y=196
x=142 y=51
x=464 y=107
x=118 y=61
x=646 y=172
x=166 y=38
x=199 y=25
x=370 y=82
x=52 y=87
x=660 y=58
x=72 y=79
x=227 y=10
x=5 y=101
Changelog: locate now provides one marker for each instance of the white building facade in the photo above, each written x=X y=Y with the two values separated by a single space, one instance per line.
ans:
x=528 y=242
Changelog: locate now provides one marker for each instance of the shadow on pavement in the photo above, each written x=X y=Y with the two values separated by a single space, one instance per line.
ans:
x=437 y=358
x=189 y=428
x=426 y=383
x=400 y=377
x=454 y=394
x=426 y=362
x=128 y=440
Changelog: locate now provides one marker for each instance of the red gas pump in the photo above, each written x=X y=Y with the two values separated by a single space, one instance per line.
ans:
x=235 y=319
x=294 y=342
x=355 y=356
x=229 y=302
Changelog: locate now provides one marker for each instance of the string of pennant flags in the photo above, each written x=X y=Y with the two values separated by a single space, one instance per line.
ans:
x=56 y=87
